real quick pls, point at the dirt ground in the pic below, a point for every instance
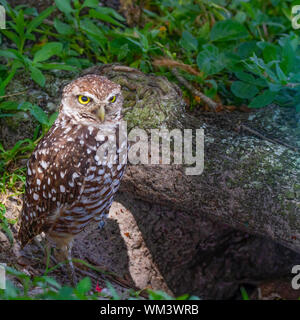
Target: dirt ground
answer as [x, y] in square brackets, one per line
[120, 249]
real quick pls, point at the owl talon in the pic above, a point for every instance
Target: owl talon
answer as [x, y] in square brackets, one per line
[101, 224]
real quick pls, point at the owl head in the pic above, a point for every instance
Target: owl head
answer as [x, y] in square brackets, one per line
[93, 98]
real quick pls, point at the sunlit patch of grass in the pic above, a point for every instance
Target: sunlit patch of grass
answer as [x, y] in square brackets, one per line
[13, 182]
[12, 176]
[5, 223]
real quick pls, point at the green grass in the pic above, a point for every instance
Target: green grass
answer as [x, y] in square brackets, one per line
[4, 223]
[50, 289]
[245, 53]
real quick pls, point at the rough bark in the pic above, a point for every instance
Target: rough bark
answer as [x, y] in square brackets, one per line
[248, 182]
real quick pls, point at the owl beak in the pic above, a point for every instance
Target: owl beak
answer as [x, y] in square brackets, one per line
[101, 113]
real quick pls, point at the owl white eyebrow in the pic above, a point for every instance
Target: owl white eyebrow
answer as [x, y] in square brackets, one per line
[87, 94]
[112, 95]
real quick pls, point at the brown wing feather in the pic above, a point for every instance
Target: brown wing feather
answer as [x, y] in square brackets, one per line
[55, 177]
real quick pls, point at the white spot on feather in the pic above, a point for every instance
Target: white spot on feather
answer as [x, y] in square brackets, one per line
[44, 164]
[35, 196]
[75, 175]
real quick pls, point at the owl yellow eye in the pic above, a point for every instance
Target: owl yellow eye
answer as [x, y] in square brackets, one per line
[112, 99]
[84, 99]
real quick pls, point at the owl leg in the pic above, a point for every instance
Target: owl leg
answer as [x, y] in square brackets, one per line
[70, 266]
[101, 220]
[64, 253]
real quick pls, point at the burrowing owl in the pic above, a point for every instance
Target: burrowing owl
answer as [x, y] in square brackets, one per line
[69, 183]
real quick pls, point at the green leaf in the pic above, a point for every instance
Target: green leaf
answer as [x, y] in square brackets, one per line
[112, 291]
[37, 76]
[183, 297]
[244, 293]
[271, 52]
[240, 17]
[288, 58]
[123, 52]
[65, 293]
[20, 23]
[48, 280]
[57, 66]
[247, 77]
[263, 99]
[281, 76]
[204, 31]
[63, 28]
[4, 225]
[244, 76]
[48, 50]
[39, 19]
[25, 106]
[104, 17]
[84, 286]
[246, 49]
[243, 90]
[12, 36]
[31, 12]
[64, 6]
[9, 105]
[228, 30]
[90, 28]
[8, 54]
[39, 114]
[111, 12]
[158, 295]
[5, 82]
[5, 115]
[210, 60]
[188, 41]
[16, 273]
[90, 4]
[52, 118]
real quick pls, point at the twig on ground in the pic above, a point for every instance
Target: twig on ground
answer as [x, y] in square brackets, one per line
[275, 141]
[213, 105]
[169, 63]
[13, 94]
